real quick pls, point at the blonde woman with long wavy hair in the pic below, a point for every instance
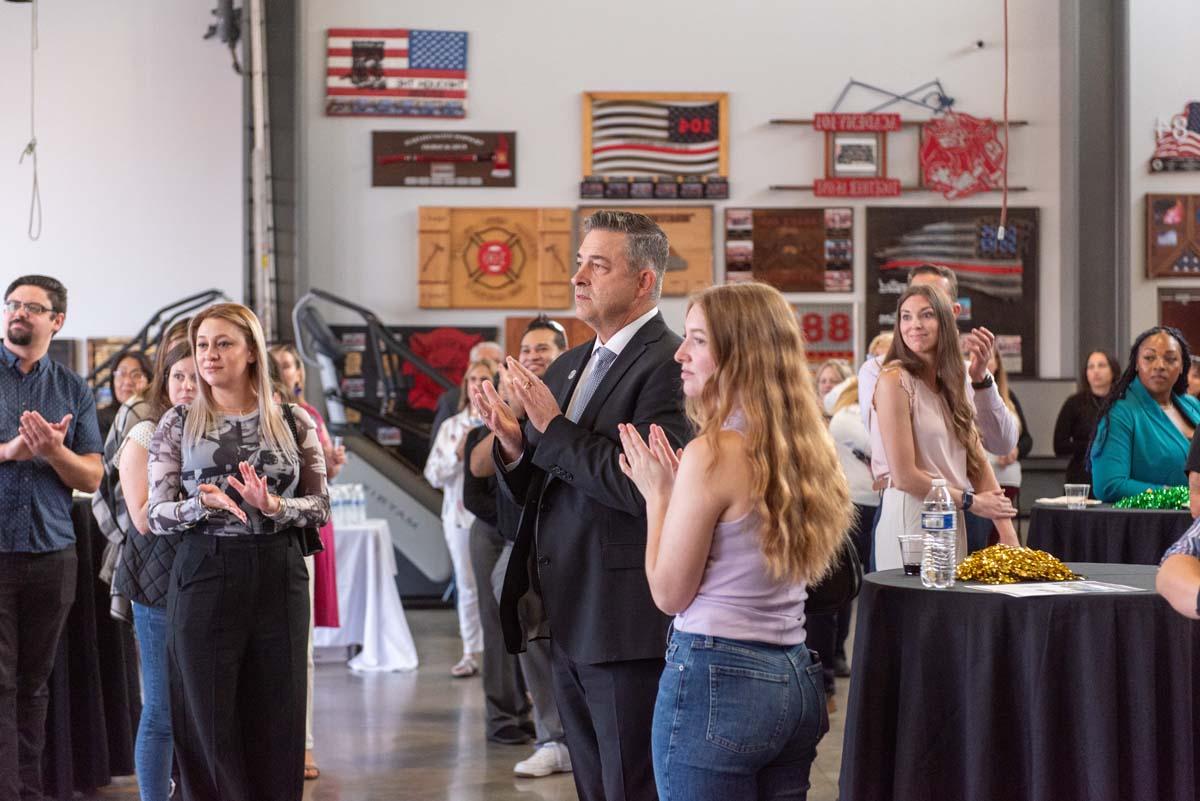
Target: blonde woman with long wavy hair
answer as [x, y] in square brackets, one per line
[923, 425]
[238, 475]
[739, 523]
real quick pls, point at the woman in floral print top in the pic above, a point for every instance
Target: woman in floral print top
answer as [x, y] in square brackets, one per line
[237, 475]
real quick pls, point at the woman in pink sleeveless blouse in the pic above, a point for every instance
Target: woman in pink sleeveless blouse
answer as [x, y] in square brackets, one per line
[738, 524]
[922, 423]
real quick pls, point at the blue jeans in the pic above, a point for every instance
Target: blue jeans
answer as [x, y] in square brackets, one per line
[153, 751]
[736, 719]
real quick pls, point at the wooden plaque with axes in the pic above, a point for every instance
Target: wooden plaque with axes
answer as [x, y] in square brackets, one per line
[494, 258]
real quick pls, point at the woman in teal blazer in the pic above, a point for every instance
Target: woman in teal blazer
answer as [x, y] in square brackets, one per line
[1145, 426]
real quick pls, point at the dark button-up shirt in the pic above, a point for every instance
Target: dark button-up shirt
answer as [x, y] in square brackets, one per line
[35, 506]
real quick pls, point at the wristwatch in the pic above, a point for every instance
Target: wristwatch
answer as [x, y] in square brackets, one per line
[986, 383]
[968, 499]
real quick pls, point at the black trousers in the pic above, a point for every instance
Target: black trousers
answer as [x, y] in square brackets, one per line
[863, 536]
[606, 712]
[237, 617]
[36, 593]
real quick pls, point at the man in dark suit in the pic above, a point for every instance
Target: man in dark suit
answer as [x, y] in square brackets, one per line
[581, 544]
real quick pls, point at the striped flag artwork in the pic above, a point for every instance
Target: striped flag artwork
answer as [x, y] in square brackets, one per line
[981, 261]
[1178, 144]
[396, 72]
[653, 137]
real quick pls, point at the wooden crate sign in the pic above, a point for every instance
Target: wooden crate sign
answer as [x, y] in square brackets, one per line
[494, 258]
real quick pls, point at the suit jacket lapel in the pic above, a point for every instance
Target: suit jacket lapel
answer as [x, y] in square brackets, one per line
[563, 396]
[647, 334]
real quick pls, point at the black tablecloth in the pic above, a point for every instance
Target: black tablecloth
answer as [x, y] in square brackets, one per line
[95, 700]
[1105, 534]
[966, 695]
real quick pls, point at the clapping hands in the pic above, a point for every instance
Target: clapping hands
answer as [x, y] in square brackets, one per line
[253, 489]
[651, 466]
[42, 438]
[978, 344]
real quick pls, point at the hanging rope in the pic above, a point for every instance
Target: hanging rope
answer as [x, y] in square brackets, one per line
[1004, 175]
[35, 201]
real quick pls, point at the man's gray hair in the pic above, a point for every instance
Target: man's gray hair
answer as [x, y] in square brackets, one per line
[480, 347]
[646, 246]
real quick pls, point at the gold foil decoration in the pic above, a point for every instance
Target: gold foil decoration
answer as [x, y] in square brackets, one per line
[1009, 564]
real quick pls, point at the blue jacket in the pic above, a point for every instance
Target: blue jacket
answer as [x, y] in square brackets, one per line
[1137, 447]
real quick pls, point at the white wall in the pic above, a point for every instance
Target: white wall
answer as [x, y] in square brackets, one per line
[1163, 64]
[529, 62]
[139, 142]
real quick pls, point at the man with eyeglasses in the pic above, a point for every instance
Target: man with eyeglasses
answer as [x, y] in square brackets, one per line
[49, 445]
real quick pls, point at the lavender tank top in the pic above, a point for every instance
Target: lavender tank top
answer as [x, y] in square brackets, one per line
[737, 597]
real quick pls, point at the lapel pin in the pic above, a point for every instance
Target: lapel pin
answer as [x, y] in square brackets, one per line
[572, 375]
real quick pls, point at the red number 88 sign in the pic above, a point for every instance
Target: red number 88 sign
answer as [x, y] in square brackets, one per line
[828, 330]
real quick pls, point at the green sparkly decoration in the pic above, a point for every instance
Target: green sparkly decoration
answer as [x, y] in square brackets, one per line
[1165, 498]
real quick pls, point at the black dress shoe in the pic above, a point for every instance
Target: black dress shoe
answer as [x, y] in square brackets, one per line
[510, 735]
[840, 668]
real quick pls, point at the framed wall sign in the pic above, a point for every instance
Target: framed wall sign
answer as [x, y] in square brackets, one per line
[443, 158]
[792, 249]
[856, 155]
[1172, 236]
[655, 145]
[690, 231]
[494, 258]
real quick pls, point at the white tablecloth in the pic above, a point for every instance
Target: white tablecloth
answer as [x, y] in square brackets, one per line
[368, 603]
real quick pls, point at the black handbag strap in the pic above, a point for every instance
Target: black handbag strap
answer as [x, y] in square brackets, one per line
[310, 536]
[291, 421]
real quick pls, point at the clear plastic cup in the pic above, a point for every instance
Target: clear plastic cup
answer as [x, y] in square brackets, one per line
[912, 546]
[1077, 495]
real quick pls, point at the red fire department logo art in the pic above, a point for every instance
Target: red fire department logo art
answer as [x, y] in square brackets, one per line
[494, 257]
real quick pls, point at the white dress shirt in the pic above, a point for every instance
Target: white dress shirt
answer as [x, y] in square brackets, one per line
[616, 343]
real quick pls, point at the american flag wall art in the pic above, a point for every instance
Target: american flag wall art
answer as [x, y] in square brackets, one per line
[655, 134]
[396, 72]
[1177, 145]
[997, 276]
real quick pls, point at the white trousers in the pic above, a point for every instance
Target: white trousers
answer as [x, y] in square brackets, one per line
[902, 512]
[458, 540]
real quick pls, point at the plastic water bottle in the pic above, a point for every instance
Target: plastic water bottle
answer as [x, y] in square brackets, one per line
[360, 504]
[939, 523]
[335, 502]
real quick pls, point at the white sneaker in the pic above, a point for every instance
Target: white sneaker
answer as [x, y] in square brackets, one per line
[548, 758]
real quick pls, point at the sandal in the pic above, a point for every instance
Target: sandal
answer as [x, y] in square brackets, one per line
[466, 668]
[311, 771]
